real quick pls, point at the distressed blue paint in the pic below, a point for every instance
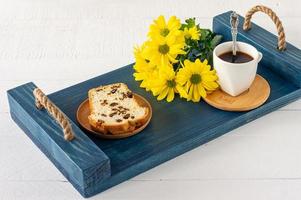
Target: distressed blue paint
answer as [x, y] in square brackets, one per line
[78, 160]
[286, 63]
[175, 128]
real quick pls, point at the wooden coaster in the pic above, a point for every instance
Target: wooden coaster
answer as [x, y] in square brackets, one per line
[83, 112]
[254, 97]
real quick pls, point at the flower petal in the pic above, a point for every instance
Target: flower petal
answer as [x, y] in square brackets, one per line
[202, 91]
[196, 94]
[189, 97]
[171, 95]
[156, 90]
[188, 86]
[210, 85]
[163, 94]
[181, 91]
[161, 21]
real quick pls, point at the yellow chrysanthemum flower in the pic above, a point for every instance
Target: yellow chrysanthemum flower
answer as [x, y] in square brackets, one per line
[197, 78]
[162, 52]
[166, 85]
[144, 70]
[192, 33]
[160, 29]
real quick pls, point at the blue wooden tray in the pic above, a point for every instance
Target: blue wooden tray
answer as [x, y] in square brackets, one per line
[93, 165]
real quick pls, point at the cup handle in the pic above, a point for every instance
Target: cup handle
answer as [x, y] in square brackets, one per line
[259, 56]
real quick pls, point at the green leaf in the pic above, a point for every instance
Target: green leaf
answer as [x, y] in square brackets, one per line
[215, 41]
[183, 26]
[204, 34]
[190, 22]
[202, 48]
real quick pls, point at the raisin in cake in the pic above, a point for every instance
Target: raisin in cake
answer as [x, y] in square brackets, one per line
[114, 109]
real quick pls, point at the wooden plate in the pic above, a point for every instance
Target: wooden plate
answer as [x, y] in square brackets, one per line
[83, 112]
[254, 97]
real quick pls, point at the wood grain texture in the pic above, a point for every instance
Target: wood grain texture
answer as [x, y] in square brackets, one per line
[127, 160]
[156, 143]
[81, 162]
[59, 43]
[285, 63]
[254, 97]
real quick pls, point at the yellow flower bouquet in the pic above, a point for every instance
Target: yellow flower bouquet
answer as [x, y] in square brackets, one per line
[176, 59]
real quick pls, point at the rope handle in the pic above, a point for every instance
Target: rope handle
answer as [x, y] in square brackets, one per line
[273, 16]
[42, 101]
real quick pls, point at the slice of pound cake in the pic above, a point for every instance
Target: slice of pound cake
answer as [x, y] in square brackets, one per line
[114, 109]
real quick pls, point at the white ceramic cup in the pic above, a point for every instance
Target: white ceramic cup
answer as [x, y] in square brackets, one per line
[235, 78]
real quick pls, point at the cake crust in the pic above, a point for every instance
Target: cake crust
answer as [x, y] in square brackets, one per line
[113, 108]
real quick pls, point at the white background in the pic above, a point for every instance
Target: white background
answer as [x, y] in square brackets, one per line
[57, 43]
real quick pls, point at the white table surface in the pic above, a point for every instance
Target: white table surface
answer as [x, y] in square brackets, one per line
[57, 43]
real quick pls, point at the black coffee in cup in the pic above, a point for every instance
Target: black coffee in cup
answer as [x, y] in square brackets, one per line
[240, 57]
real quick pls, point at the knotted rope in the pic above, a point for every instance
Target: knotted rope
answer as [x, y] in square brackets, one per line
[273, 16]
[42, 101]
